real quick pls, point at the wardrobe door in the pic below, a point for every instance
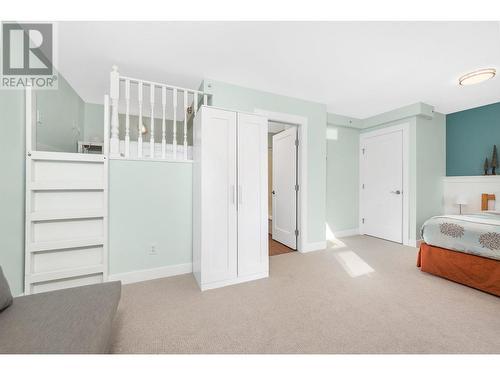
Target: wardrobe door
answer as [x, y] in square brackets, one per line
[253, 255]
[218, 206]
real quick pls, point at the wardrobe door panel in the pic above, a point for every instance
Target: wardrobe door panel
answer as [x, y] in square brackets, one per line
[253, 255]
[219, 215]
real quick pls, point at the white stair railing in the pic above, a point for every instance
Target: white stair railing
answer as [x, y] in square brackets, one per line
[176, 103]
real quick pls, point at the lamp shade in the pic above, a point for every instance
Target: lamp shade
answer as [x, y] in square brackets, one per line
[461, 200]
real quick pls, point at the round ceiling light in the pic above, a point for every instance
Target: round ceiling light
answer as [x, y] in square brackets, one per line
[477, 76]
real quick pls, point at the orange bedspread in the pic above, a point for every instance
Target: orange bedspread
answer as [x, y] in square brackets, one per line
[472, 270]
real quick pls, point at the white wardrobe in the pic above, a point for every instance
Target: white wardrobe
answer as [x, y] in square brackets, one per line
[230, 239]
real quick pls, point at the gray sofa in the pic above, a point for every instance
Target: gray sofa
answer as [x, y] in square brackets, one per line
[75, 320]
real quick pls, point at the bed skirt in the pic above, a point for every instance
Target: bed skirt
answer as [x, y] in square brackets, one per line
[471, 270]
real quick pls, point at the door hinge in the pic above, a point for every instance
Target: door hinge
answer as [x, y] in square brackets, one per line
[297, 142]
[363, 220]
[296, 232]
[296, 187]
[362, 186]
[363, 150]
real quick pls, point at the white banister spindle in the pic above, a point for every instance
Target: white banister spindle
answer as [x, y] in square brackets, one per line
[163, 127]
[195, 104]
[185, 124]
[205, 99]
[127, 118]
[115, 127]
[106, 126]
[152, 125]
[139, 123]
[174, 141]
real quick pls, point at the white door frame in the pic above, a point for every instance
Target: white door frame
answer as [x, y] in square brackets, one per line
[289, 239]
[405, 128]
[301, 122]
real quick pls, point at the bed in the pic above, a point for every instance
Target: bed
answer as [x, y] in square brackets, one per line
[464, 248]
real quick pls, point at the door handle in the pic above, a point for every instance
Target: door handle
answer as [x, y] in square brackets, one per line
[397, 192]
[274, 193]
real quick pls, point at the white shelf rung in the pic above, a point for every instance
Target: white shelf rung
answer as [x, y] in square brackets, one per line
[77, 185]
[65, 215]
[68, 244]
[66, 157]
[65, 274]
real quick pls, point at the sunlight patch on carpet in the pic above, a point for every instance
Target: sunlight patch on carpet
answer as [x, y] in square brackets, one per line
[353, 264]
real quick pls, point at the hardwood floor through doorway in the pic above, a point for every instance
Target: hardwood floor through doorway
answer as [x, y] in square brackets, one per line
[277, 248]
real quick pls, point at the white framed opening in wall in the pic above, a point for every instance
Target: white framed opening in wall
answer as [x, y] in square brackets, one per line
[303, 244]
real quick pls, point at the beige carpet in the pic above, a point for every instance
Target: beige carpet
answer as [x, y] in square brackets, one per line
[366, 297]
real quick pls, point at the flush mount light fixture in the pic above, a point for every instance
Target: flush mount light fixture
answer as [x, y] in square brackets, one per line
[477, 76]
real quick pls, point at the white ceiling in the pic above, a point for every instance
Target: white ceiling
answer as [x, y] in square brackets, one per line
[357, 69]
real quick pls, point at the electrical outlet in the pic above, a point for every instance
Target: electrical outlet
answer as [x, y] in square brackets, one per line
[152, 250]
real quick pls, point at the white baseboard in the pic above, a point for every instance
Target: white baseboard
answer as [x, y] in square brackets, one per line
[151, 273]
[244, 279]
[313, 246]
[346, 233]
[413, 242]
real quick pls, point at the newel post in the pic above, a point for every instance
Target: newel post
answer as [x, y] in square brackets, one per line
[114, 144]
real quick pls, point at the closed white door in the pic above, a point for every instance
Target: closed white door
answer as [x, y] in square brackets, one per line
[284, 192]
[382, 185]
[218, 189]
[252, 197]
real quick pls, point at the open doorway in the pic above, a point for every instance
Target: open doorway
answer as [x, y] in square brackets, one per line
[283, 187]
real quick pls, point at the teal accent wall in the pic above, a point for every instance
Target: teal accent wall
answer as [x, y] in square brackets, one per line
[12, 144]
[149, 202]
[470, 136]
[234, 97]
[342, 179]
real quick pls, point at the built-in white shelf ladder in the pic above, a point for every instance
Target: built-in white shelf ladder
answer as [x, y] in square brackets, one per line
[66, 229]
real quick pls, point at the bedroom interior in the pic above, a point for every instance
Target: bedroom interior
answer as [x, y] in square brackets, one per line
[230, 212]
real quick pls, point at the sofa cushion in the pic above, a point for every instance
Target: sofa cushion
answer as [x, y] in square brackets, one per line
[5, 295]
[74, 320]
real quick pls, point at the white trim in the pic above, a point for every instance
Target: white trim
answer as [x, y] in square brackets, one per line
[151, 273]
[301, 122]
[346, 233]
[472, 179]
[314, 246]
[67, 156]
[238, 280]
[405, 128]
[147, 158]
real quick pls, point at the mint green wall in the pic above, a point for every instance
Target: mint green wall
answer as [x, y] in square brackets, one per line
[431, 167]
[149, 202]
[245, 99]
[12, 143]
[62, 118]
[470, 136]
[342, 178]
[93, 130]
